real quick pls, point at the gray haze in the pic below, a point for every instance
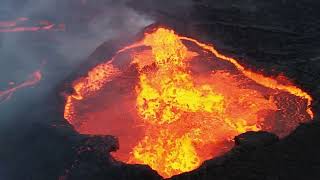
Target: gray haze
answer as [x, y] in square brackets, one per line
[57, 54]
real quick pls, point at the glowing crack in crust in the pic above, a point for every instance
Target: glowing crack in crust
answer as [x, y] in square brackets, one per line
[185, 116]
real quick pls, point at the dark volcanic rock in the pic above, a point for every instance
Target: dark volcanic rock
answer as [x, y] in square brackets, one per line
[295, 157]
[95, 162]
[253, 139]
[101, 144]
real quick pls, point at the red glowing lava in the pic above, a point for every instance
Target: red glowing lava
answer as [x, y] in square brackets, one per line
[175, 102]
[25, 25]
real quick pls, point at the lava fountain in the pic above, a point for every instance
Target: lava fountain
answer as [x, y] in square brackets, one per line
[175, 102]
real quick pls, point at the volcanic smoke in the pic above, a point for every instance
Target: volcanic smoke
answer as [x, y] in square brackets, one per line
[175, 102]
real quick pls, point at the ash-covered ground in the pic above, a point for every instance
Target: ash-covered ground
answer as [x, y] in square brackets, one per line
[267, 36]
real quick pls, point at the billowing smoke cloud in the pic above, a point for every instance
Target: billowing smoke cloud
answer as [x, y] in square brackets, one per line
[88, 23]
[57, 54]
[115, 21]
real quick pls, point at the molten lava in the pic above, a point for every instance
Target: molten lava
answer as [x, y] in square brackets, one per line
[174, 102]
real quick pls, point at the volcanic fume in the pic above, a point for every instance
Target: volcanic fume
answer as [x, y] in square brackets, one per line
[175, 102]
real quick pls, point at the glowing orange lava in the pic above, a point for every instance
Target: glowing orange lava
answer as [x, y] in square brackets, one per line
[174, 102]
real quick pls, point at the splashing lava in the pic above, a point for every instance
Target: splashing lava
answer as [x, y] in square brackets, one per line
[175, 102]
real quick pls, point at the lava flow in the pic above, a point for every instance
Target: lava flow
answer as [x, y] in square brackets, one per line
[23, 24]
[34, 78]
[174, 102]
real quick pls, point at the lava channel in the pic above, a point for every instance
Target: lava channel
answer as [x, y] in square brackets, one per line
[175, 102]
